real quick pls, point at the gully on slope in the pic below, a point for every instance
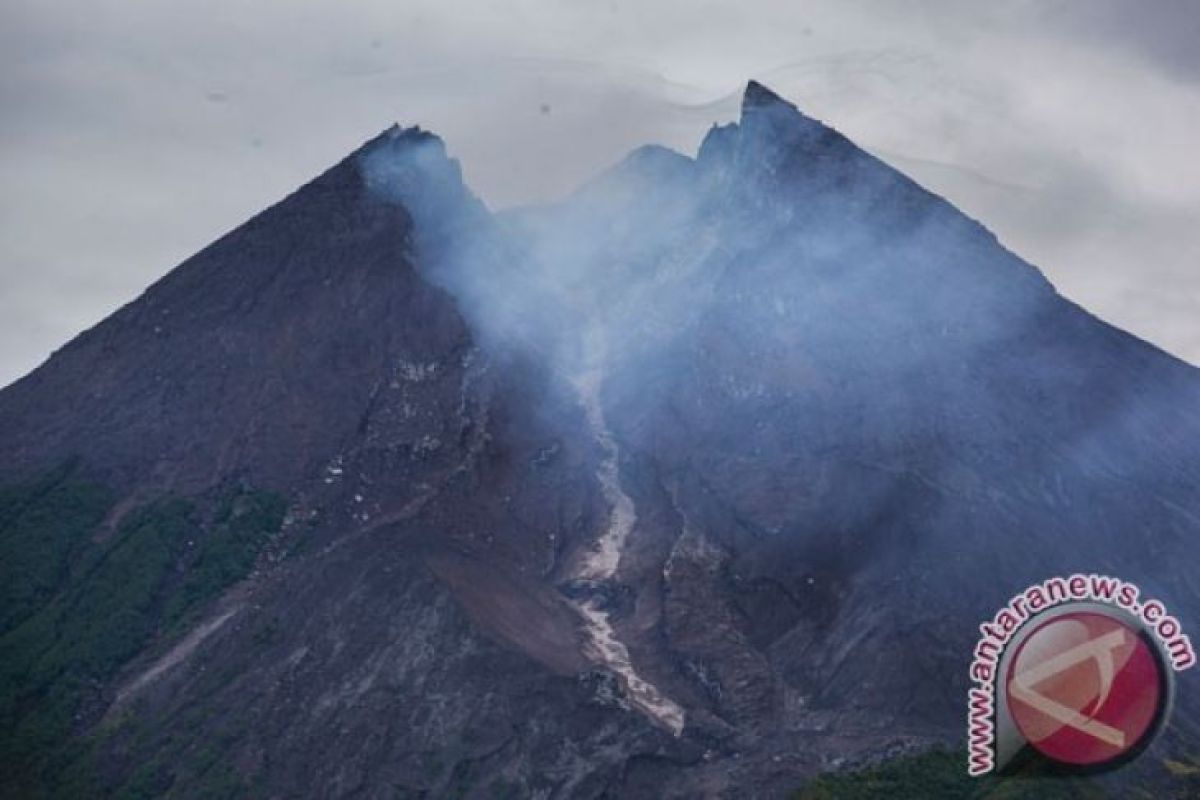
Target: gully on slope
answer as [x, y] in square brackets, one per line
[599, 565]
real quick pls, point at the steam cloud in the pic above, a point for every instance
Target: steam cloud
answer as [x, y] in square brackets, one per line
[787, 322]
[781, 242]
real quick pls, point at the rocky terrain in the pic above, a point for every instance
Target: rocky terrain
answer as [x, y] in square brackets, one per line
[697, 483]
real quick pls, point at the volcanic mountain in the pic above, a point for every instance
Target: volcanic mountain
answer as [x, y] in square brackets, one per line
[696, 483]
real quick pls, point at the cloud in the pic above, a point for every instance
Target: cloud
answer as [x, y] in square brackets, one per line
[132, 133]
[1164, 33]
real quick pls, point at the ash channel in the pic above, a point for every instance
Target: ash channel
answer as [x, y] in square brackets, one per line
[600, 563]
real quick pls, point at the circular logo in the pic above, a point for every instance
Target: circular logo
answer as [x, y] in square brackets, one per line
[1087, 689]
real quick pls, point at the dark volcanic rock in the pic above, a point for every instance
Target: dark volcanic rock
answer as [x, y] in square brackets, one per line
[836, 425]
[261, 356]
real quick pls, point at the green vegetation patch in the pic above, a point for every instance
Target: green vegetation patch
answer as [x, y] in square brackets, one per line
[941, 774]
[77, 605]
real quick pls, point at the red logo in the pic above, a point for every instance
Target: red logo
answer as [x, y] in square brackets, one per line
[1086, 689]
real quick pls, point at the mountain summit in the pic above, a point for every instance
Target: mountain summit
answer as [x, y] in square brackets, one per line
[696, 483]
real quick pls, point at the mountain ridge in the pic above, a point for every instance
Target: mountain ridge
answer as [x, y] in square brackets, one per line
[775, 422]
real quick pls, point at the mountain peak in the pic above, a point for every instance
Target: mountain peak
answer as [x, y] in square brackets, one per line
[768, 124]
[756, 95]
[760, 102]
[411, 166]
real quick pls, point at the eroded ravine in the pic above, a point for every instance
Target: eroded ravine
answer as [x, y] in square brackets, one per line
[599, 565]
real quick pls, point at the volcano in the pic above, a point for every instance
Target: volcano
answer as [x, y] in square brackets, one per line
[697, 483]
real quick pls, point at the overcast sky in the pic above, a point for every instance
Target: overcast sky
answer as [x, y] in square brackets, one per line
[134, 133]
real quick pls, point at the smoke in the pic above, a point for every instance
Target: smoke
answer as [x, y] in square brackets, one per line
[810, 344]
[782, 258]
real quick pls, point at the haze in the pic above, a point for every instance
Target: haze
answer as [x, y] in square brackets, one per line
[133, 133]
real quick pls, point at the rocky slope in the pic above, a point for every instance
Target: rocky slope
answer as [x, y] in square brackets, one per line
[697, 483]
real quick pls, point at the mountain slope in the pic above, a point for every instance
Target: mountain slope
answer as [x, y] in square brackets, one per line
[697, 483]
[247, 358]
